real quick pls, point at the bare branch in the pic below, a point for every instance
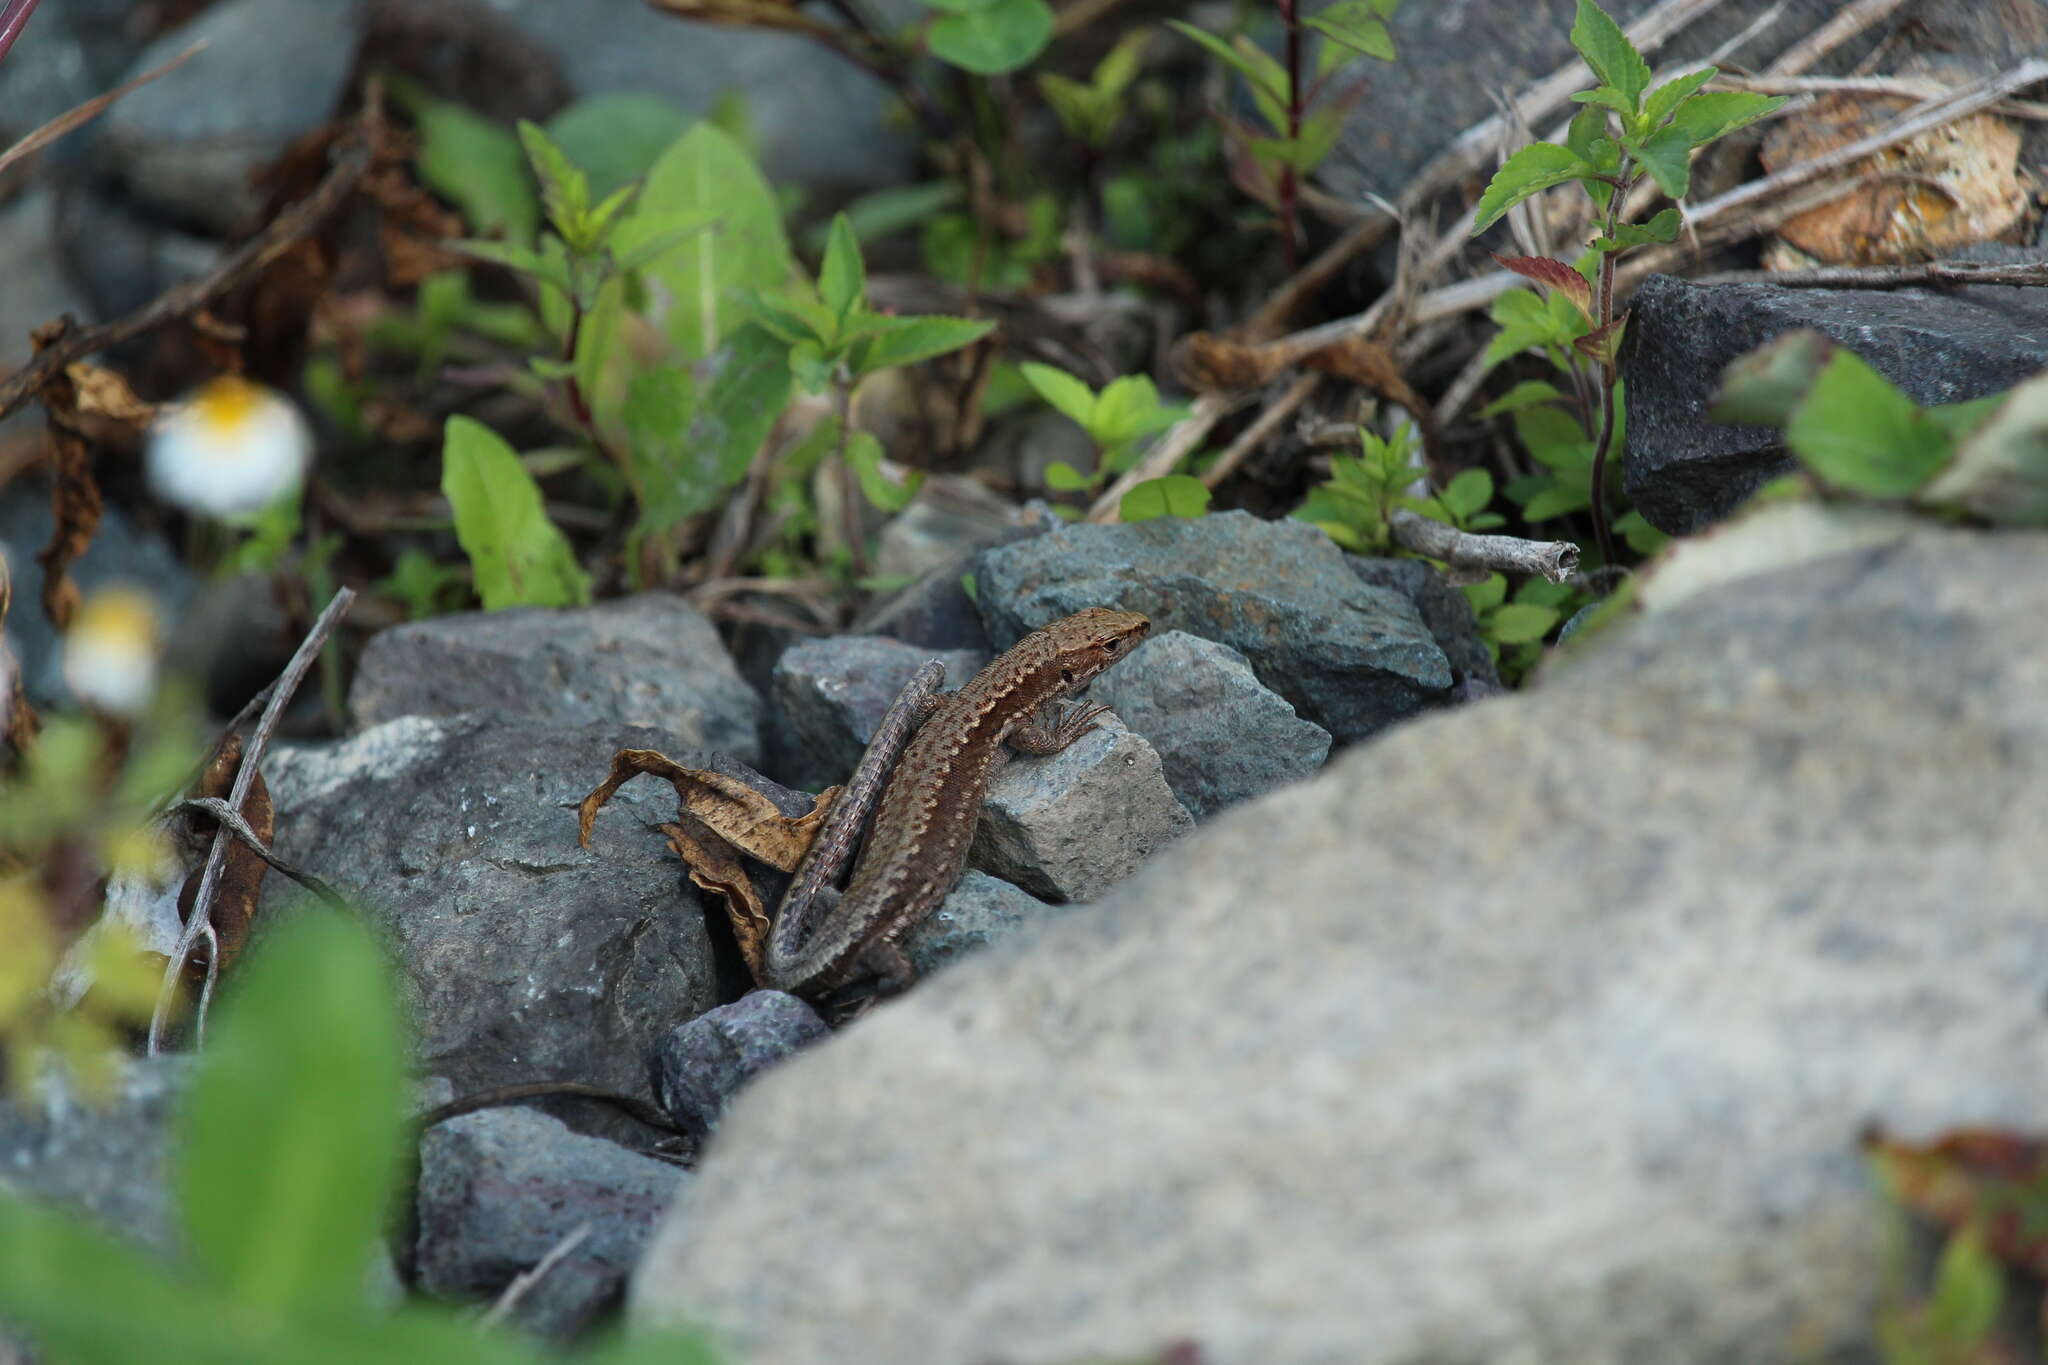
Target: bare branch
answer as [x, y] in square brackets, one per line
[527, 1279]
[1891, 276]
[231, 819]
[1551, 559]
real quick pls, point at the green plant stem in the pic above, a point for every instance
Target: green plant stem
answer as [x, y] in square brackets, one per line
[1603, 537]
[1290, 187]
[579, 403]
[849, 486]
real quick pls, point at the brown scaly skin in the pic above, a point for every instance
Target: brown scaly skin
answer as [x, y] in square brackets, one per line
[920, 837]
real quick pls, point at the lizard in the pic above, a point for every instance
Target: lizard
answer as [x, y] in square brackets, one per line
[931, 803]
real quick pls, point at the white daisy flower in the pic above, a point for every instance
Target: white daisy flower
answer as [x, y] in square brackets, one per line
[110, 652]
[234, 447]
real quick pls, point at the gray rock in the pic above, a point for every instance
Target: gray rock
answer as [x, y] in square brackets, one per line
[979, 911]
[704, 1062]
[1070, 825]
[272, 69]
[829, 695]
[1352, 657]
[498, 1189]
[787, 80]
[1221, 737]
[108, 1160]
[1444, 609]
[1434, 1059]
[525, 957]
[66, 55]
[933, 612]
[121, 552]
[33, 290]
[650, 660]
[948, 520]
[1684, 471]
[120, 259]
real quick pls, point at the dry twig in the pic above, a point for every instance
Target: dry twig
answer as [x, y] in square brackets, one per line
[1890, 276]
[1552, 559]
[527, 1279]
[202, 903]
[91, 109]
[219, 810]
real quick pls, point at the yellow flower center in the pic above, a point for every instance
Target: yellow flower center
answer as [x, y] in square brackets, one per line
[227, 402]
[120, 616]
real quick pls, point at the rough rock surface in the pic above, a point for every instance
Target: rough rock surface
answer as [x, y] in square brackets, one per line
[1683, 470]
[1222, 738]
[1350, 656]
[651, 660]
[1446, 611]
[498, 1189]
[703, 1063]
[979, 910]
[1436, 1058]
[526, 958]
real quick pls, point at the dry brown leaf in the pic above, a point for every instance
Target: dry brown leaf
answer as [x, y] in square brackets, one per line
[102, 393]
[18, 723]
[714, 866]
[240, 887]
[75, 502]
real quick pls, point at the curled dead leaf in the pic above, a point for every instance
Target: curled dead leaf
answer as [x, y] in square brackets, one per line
[240, 888]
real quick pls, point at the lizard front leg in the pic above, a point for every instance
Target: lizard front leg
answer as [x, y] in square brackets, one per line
[1041, 735]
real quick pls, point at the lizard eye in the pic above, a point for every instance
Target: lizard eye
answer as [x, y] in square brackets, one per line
[1067, 675]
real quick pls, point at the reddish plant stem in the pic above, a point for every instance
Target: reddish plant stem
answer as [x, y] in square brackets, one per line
[1290, 187]
[579, 402]
[13, 18]
[1603, 537]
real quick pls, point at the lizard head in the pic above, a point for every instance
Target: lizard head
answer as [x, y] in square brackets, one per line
[1089, 641]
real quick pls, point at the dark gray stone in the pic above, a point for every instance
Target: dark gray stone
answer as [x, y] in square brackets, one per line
[829, 695]
[1222, 737]
[67, 54]
[107, 1159]
[1350, 656]
[702, 1063]
[525, 957]
[272, 69]
[979, 911]
[1070, 825]
[649, 660]
[948, 520]
[788, 82]
[933, 612]
[498, 1189]
[33, 289]
[1684, 471]
[119, 259]
[1446, 611]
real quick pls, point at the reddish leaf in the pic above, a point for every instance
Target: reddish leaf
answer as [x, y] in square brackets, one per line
[1602, 343]
[1553, 274]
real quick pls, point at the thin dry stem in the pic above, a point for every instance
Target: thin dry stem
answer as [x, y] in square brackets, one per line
[1555, 560]
[1267, 422]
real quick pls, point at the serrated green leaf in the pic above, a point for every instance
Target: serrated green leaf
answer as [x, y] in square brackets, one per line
[1667, 155]
[1859, 433]
[1709, 116]
[1556, 501]
[1588, 126]
[864, 453]
[1356, 24]
[794, 320]
[518, 555]
[707, 177]
[996, 38]
[1766, 386]
[1526, 394]
[1467, 494]
[1607, 97]
[1170, 495]
[564, 189]
[597, 223]
[810, 367]
[1068, 395]
[289, 1143]
[906, 341]
[842, 278]
[1610, 54]
[1520, 622]
[615, 138]
[663, 243]
[1667, 97]
[1535, 168]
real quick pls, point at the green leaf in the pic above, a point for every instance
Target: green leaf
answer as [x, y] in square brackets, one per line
[1520, 622]
[1766, 386]
[661, 244]
[1127, 409]
[1608, 51]
[1268, 83]
[864, 453]
[1486, 594]
[1526, 394]
[2000, 471]
[1356, 24]
[1555, 501]
[792, 319]
[1585, 132]
[742, 404]
[706, 176]
[1555, 439]
[1467, 495]
[1706, 117]
[519, 557]
[564, 190]
[1068, 395]
[1661, 228]
[883, 212]
[525, 260]
[1062, 477]
[420, 582]
[1667, 97]
[908, 340]
[478, 165]
[1857, 432]
[1171, 495]
[289, 1144]
[842, 279]
[616, 138]
[993, 39]
[1667, 154]
[1969, 1289]
[1537, 167]
[1607, 97]
[661, 407]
